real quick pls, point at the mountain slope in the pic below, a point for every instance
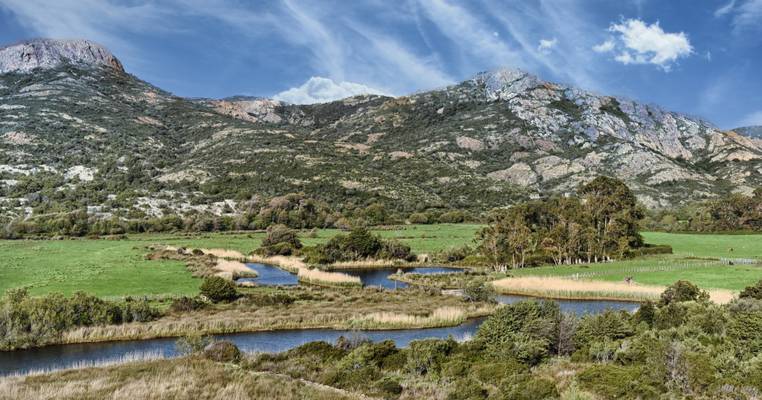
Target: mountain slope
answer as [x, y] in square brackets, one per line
[76, 131]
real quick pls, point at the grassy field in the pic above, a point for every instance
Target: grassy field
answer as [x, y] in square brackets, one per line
[117, 268]
[664, 270]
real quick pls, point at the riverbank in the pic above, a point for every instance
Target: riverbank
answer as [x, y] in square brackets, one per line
[181, 378]
[271, 309]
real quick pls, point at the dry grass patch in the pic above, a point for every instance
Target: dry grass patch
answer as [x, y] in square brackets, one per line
[224, 253]
[334, 309]
[564, 288]
[233, 269]
[442, 316]
[290, 264]
[177, 379]
[325, 278]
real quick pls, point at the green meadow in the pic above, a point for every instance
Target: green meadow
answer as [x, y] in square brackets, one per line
[118, 268]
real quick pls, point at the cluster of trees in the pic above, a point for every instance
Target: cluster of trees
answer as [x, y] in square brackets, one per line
[295, 211]
[359, 244]
[600, 223]
[280, 241]
[730, 213]
[679, 347]
[27, 321]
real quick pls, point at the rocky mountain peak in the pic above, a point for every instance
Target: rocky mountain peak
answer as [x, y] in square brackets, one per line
[504, 83]
[50, 53]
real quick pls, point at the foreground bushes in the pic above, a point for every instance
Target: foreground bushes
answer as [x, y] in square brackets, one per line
[32, 321]
[684, 347]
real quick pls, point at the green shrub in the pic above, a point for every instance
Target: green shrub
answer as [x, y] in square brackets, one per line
[222, 351]
[389, 386]
[280, 240]
[681, 291]
[419, 218]
[427, 356]
[467, 389]
[186, 304]
[609, 325]
[192, 343]
[619, 382]
[479, 292]
[218, 289]
[752, 292]
[527, 330]
[529, 389]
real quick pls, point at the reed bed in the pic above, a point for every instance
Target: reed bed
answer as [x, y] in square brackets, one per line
[233, 269]
[443, 316]
[134, 357]
[564, 288]
[369, 263]
[326, 278]
[290, 264]
[224, 253]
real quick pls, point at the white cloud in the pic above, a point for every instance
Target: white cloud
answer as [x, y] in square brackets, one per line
[546, 45]
[604, 47]
[641, 43]
[748, 16]
[322, 90]
[752, 119]
[726, 9]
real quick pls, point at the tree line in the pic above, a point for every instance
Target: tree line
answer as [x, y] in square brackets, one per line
[599, 223]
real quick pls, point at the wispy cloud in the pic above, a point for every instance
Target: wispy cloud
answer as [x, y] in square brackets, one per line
[546, 45]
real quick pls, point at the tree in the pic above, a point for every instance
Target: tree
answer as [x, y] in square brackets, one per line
[218, 289]
[613, 213]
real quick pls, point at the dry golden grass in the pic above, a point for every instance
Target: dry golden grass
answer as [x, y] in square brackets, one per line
[224, 253]
[564, 288]
[318, 277]
[370, 263]
[442, 316]
[326, 309]
[233, 269]
[290, 264]
[178, 379]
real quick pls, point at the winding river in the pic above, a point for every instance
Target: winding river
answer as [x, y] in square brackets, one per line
[73, 355]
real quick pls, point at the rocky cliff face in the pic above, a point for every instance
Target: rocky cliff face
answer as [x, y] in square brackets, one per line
[72, 134]
[51, 53]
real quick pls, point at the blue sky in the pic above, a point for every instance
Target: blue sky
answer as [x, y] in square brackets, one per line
[700, 57]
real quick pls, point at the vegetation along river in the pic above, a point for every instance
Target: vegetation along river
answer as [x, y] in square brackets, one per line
[71, 355]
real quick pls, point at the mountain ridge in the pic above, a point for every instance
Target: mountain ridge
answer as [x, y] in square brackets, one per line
[74, 134]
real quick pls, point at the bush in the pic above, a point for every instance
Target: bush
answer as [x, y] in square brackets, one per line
[222, 351]
[358, 245]
[192, 344]
[280, 240]
[218, 289]
[681, 291]
[186, 304]
[427, 356]
[389, 385]
[479, 292]
[452, 217]
[467, 389]
[527, 330]
[418, 218]
[530, 389]
[752, 292]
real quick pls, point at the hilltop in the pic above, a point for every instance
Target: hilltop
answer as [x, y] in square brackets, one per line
[78, 131]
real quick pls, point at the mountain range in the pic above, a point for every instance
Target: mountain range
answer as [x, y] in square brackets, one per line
[77, 130]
